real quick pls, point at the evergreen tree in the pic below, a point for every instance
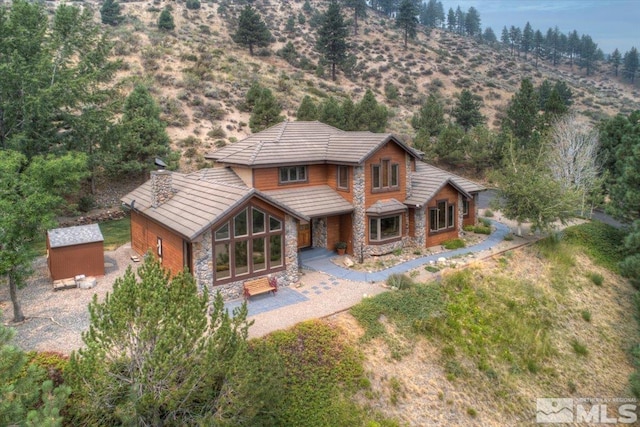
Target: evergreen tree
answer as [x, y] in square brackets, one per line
[406, 20]
[110, 12]
[308, 111]
[306, 7]
[522, 115]
[515, 37]
[538, 45]
[573, 46]
[564, 91]
[615, 60]
[432, 14]
[359, 11]
[348, 109]
[266, 112]
[467, 110]
[489, 37]
[472, 22]
[552, 41]
[505, 37]
[527, 39]
[143, 136]
[26, 396]
[544, 92]
[369, 115]
[460, 21]
[165, 21]
[332, 36]
[331, 113]
[252, 31]
[193, 4]
[588, 54]
[554, 107]
[451, 20]
[429, 121]
[157, 353]
[31, 195]
[290, 26]
[631, 62]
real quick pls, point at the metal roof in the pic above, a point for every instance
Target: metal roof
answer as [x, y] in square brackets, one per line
[76, 235]
[314, 201]
[304, 142]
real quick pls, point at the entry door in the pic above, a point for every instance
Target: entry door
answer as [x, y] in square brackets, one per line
[304, 234]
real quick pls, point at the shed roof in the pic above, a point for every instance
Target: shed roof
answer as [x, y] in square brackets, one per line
[429, 180]
[308, 142]
[76, 235]
[314, 201]
[386, 206]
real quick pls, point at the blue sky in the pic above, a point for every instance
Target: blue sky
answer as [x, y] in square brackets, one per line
[610, 23]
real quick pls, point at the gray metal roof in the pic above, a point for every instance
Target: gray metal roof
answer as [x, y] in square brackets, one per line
[304, 142]
[314, 201]
[77, 235]
[428, 180]
[386, 206]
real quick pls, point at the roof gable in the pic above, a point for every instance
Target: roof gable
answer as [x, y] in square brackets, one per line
[304, 142]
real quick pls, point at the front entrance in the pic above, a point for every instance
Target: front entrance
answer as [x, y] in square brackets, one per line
[304, 234]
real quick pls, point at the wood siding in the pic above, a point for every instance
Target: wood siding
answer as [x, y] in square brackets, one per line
[70, 261]
[268, 178]
[449, 194]
[144, 237]
[333, 231]
[346, 231]
[395, 154]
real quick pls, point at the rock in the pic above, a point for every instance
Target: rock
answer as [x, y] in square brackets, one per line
[347, 262]
[442, 260]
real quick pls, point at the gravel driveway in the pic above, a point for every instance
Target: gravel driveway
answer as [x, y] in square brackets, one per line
[56, 319]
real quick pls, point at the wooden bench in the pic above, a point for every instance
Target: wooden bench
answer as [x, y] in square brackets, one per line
[260, 286]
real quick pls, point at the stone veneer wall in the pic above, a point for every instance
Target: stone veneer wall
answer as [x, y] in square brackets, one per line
[202, 251]
[203, 263]
[420, 239]
[408, 173]
[476, 199]
[319, 229]
[460, 213]
[359, 214]
[161, 190]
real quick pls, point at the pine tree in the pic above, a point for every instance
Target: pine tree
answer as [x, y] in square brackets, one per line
[369, 115]
[430, 119]
[252, 31]
[406, 20]
[266, 112]
[588, 54]
[110, 12]
[615, 60]
[472, 22]
[489, 37]
[27, 397]
[538, 45]
[527, 39]
[554, 107]
[158, 353]
[573, 46]
[359, 11]
[308, 110]
[522, 115]
[451, 20]
[143, 136]
[165, 21]
[467, 110]
[330, 113]
[332, 36]
[631, 63]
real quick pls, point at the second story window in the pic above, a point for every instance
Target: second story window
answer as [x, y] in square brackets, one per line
[290, 174]
[343, 177]
[385, 176]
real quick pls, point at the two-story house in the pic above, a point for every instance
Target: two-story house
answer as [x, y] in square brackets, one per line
[292, 186]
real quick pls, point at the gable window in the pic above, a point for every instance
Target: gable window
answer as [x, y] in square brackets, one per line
[291, 174]
[385, 176]
[442, 217]
[385, 228]
[244, 247]
[343, 177]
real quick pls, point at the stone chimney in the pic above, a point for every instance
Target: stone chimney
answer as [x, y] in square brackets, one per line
[161, 190]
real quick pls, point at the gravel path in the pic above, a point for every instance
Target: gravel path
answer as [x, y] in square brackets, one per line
[56, 319]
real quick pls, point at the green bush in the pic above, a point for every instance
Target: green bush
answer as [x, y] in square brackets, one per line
[193, 4]
[596, 278]
[603, 243]
[86, 203]
[579, 348]
[488, 213]
[453, 244]
[400, 281]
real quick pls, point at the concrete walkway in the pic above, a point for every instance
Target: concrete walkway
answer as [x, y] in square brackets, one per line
[319, 259]
[326, 288]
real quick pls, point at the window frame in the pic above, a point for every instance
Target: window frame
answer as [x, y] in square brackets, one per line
[339, 184]
[387, 174]
[289, 169]
[231, 244]
[378, 228]
[450, 213]
[466, 204]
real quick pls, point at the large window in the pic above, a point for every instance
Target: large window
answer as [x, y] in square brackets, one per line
[385, 175]
[385, 228]
[293, 174]
[250, 242]
[442, 217]
[343, 177]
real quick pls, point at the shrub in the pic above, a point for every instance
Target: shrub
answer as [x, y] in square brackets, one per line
[579, 348]
[193, 4]
[586, 315]
[488, 213]
[165, 22]
[400, 281]
[86, 203]
[596, 278]
[453, 244]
